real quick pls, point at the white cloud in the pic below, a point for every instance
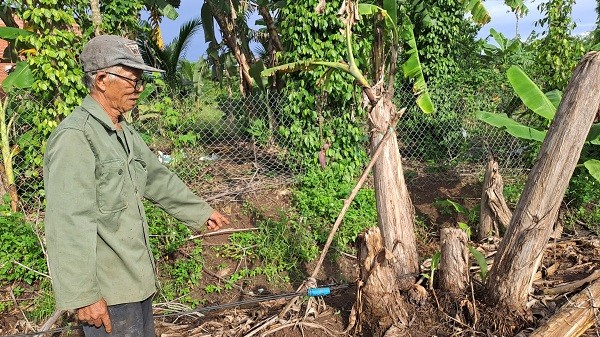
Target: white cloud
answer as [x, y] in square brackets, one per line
[504, 21]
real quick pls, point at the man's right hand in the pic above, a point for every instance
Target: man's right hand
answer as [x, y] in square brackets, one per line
[95, 314]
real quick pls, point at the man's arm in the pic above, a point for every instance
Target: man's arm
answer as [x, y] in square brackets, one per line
[70, 188]
[170, 193]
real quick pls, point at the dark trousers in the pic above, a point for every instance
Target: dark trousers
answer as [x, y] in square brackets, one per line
[128, 320]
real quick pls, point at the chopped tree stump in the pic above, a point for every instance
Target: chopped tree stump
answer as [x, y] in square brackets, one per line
[379, 304]
[494, 214]
[454, 262]
[575, 317]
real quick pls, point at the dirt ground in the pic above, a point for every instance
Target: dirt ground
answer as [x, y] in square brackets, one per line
[573, 256]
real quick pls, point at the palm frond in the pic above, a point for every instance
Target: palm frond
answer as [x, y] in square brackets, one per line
[179, 45]
[261, 52]
[151, 52]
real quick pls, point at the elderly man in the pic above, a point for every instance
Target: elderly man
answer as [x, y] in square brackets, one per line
[97, 171]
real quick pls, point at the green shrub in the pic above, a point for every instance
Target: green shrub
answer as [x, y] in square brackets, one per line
[19, 243]
[583, 201]
[280, 245]
[178, 272]
[320, 199]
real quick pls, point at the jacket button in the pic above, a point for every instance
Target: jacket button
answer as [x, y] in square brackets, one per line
[120, 171]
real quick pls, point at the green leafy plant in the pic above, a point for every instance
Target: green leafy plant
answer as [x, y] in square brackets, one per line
[448, 207]
[277, 249]
[320, 198]
[21, 255]
[544, 105]
[43, 305]
[483, 267]
[435, 264]
[179, 260]
[260, 131]
[582, 206]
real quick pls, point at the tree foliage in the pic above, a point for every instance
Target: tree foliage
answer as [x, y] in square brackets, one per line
[445, 36]
[328, 112]
[557, 51]
[59, 29]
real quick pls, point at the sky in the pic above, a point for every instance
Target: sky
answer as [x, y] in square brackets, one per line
[584, 15]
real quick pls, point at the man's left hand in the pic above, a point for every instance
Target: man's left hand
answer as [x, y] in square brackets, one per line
[216, 221]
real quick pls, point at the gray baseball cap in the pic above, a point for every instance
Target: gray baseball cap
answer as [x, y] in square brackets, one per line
[110, 50]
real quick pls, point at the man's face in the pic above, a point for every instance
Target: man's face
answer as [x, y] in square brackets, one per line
[120, 92]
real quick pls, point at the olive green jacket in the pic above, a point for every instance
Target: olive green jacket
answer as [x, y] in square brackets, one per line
[96, 228]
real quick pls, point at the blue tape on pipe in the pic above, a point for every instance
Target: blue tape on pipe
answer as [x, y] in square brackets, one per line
[318, 292]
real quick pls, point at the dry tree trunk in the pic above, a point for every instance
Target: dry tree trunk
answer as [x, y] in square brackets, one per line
[520, 252]
[453, 273]
[395, 211]
[494, 214]
[388, 256]
[575, 317]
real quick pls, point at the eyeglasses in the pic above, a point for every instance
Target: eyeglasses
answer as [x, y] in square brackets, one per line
[137, 84]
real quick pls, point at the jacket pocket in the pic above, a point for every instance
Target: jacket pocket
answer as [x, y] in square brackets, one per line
[141, 175]
[109, 186]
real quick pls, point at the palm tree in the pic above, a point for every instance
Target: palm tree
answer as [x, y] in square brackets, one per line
[170, 56]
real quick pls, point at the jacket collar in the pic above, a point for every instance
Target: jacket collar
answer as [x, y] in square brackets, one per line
[96, 110]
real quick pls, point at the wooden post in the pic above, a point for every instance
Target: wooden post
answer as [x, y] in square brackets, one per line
[454, 262]
[520, 252]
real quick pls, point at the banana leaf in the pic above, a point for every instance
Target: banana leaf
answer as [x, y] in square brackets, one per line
[255, 72]
[555, 96]
[412, 68]
[594, 134]
[478, 12]
[389, 18]
[20, 78]
[593, 167]
[511, 126]
[530, 93]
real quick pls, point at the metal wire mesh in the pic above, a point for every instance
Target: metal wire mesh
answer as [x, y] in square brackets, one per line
[227, 145]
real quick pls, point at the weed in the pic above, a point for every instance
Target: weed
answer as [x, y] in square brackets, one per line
[43, 304]
[512, 192]
[211, 288]
[582, 199]
[19, 243]
[321, 197]
[279, 245]
[449, 207]
[167, 237]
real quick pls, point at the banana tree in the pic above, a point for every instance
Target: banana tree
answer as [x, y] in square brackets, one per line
[544, 105]
[158, 9]
[230, 16]
[170, 56]
[20, 77]
[395, 209]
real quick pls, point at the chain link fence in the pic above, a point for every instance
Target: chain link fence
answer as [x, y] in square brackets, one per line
[226, 146]
[452, 142]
